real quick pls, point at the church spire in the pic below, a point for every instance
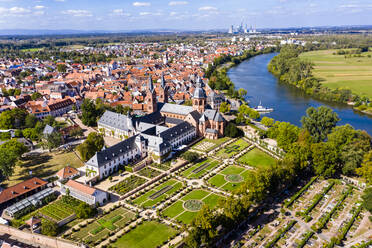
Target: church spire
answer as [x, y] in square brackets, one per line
[150, 85]
[162, 84]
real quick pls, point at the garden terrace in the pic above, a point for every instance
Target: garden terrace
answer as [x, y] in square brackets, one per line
[149, 234]
[233, 149]
[158, 193]
[148, 172]
[128, 184]
[58, 210]
[163, 166]
[207, 145]
[257, 158]
[200, 169]
[186, 208]
[99, 229]
[230, 178]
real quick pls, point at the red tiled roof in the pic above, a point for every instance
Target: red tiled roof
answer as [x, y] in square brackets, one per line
[20, 189]
[80, 187]
[67, 172]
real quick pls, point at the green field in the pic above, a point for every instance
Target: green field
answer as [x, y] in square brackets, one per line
[336, 71]
[178, 212]
[57, 210]
[146, 201]
[257, 158]
[147, 235]
[221, 179]
[200, 168]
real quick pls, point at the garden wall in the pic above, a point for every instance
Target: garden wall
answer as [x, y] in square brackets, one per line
[37, 239]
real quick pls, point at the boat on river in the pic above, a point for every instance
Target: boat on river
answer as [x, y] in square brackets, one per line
[262, 109]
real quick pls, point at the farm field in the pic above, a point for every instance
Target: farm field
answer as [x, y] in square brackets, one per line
[353, 73]
[186, 208]
[159, 193]
[200, 168]
[257, 158]
[230, 178]
[233, 149]
[147, 235]
[100, 228]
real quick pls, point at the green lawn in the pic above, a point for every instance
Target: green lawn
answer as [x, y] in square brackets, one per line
[191, 173]
[219, 181]
[177, 211]
[257, 158]
[42, 165]
[145, 200]
[336, 71]
[233, 149]
[147, 235]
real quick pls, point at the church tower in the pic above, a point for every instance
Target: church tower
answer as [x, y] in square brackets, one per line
[163, 90]
[199, 99]
[151, 105]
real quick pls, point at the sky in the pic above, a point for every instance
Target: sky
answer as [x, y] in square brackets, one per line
[121, 15]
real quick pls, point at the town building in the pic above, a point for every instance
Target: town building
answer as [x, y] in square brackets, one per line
[85, 193]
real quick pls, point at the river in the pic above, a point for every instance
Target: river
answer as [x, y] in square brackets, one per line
[289, 103]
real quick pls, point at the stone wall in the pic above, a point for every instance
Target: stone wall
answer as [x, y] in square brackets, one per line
[37, 239]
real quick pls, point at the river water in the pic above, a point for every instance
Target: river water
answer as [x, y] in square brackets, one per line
[289, 103]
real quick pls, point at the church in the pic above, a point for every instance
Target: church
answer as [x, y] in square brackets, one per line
[163, 130]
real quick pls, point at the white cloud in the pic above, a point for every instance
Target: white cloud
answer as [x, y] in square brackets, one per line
[39, 12]
[119, 12]
[18, 10]
[144, 13]
[77, 12]
[141, 4]
[60, 0]
[175, 3]
[39, 7]
[173, 13]
[208, 8]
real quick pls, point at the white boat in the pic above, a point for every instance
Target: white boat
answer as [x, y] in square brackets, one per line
[262, 109]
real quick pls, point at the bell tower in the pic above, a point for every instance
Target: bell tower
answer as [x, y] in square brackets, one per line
[151, 105]
[163, 90]
[199, 99]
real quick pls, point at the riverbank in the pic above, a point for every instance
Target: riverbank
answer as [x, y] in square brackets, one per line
[289, 68]
[289, 102]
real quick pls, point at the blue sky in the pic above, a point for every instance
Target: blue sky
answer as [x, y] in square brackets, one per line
[180, 14]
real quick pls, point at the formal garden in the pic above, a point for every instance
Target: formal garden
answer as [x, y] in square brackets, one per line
[162, 190]
[257, 158]
[207, 145]
[59, 210]
[148, 172]
[233, 149]
[186, 208]
[128, 184]
[230, 178]
[99, 229]
[149, 234]
[200, 169]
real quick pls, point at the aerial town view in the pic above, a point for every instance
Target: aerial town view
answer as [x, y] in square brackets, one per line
[149, 124]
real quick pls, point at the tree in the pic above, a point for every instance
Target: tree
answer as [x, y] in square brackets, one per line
[242, 92]
[76, 132]
[203, 229]
[232, 131]
[91, 145]
[190, 156]
[225, 107]
[89, 113]
[319, 122]
[268, 122]
[62, 68]
[285, 134]
[10, 152]
[365, 170]
[49, 228]
[325, 159]
[367, 200]
[84, 211]
[6, 120]
[53, 140]
[36, 95]
[49, 120]
[30, 121]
